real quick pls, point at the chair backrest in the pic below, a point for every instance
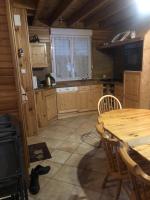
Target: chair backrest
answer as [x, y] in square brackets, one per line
[107, 103]
[111, 150]
[139, 178]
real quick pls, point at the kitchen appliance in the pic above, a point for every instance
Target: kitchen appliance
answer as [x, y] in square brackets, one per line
[35, 85]
[66, 89]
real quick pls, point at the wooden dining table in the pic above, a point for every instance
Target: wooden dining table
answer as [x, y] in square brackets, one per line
[131, 126]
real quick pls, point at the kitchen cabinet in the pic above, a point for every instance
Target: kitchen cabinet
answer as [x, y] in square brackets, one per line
[67, 100]
[88, 97]
[51, 104]
[83, 98]
[132, 81]
[39, 55]
[46, 106]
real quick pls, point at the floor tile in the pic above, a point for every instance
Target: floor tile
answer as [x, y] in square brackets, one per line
[75, 160]
[60, 156]
[68, 146]
[84, 149]
[69, 175]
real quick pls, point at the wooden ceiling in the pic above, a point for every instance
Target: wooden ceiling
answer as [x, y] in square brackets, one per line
[93, 14]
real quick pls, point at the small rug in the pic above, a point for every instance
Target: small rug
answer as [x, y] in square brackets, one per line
[92, 138]
[39, 152]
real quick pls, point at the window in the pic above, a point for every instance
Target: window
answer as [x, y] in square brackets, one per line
[71, 54]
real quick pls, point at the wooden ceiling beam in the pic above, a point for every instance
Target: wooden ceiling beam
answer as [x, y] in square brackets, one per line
[58, 11]
[121, 16]
[38, 10]
[109, 11]
[86, 10]
[29, 5]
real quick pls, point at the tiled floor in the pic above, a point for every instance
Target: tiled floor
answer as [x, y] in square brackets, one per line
[78, 165]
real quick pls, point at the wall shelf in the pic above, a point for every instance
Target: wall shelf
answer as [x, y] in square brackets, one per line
[118, 44]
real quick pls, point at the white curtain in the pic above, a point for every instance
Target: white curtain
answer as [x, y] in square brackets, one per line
[81, 57]
[71, 57]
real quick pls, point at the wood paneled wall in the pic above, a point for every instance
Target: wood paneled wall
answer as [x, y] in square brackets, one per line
[24, 62]
[10, 84]
[145, 77]
[8, 88]
[102, 62]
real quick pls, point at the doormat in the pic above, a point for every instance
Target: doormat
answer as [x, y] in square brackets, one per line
[38, 152]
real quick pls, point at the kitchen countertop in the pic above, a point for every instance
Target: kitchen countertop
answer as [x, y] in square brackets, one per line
[78, 83]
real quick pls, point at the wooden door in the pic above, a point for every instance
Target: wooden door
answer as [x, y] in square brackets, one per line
[39, 55]
[83, 98]
[51, 104]
[67, 102]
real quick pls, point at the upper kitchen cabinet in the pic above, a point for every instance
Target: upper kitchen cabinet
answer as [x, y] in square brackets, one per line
[39, 55]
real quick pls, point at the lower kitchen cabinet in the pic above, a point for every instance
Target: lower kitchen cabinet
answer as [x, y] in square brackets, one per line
[88, 97]
[67, 102]
[83, 97]
[46, 106]
[50, 103]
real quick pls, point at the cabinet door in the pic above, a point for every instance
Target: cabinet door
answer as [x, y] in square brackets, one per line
[51, 106]
[67, 102]
[83, 98]
[132, 82]
[129, 103]
[95, 94]
[132, 85]
[39, 55]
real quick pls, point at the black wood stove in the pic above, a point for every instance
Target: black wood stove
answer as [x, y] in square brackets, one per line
[12, 177]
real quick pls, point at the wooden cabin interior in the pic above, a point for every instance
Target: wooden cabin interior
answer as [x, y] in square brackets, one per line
[58, 59]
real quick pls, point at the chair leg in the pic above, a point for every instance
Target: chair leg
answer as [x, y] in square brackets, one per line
[118, 190]
[105, 180]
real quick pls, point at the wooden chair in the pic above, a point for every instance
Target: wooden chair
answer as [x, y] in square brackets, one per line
[107, 103]
[117, 171]
[139, 178]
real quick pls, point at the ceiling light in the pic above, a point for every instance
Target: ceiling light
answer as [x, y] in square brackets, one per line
[143, 6]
